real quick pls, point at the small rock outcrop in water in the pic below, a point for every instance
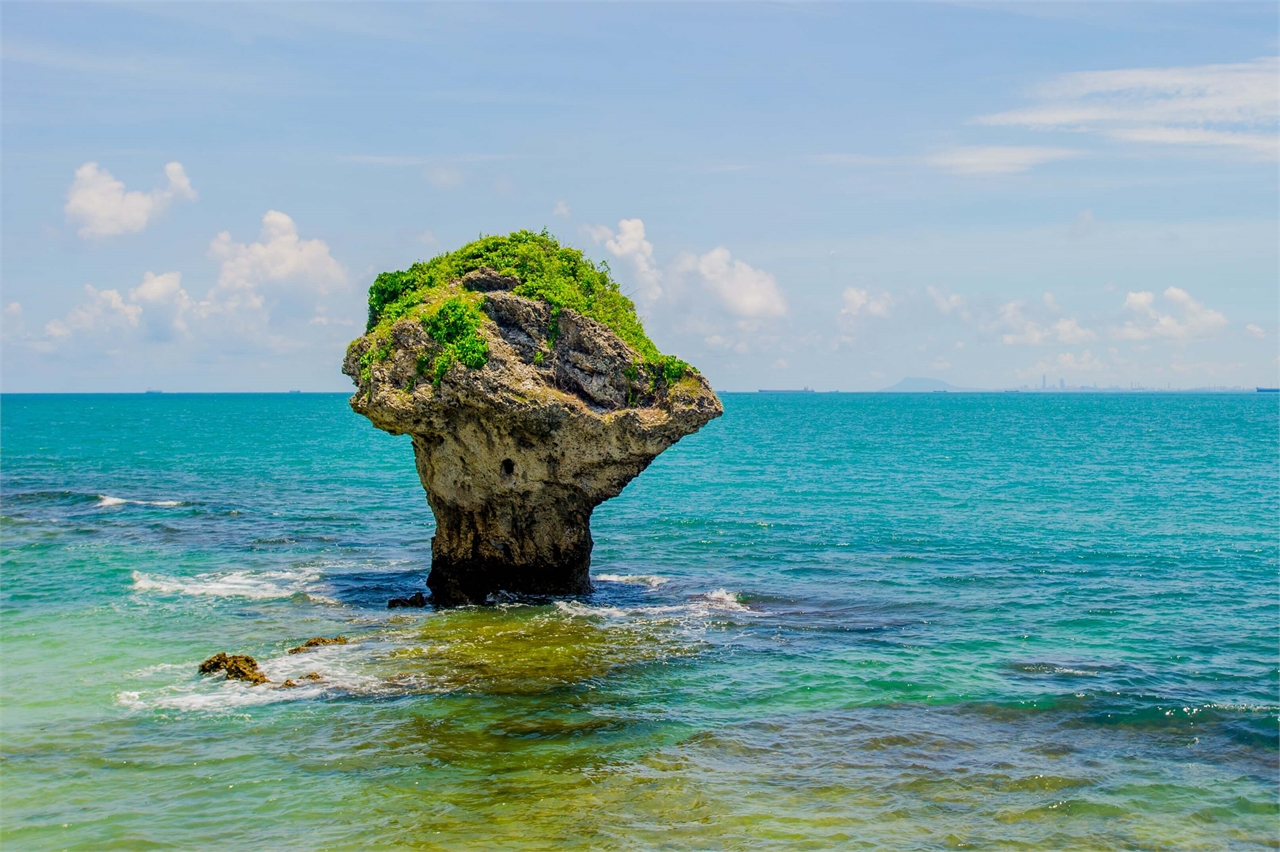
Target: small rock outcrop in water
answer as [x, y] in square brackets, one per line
[416, 600]
[318, 642]
[532, 395]
[237, 667]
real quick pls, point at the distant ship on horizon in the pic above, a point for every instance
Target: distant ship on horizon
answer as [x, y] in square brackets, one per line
[786, 390]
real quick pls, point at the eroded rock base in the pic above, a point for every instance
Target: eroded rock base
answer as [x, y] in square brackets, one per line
[480, 581]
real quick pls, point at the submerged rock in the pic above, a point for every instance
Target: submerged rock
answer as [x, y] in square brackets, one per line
[318, 642]
[237, 667]
[558, 416]
[416, 600]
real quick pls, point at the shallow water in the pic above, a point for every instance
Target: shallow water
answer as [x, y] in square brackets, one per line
[827, 621]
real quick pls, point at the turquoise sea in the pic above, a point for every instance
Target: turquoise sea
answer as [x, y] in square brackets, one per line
[827, 621]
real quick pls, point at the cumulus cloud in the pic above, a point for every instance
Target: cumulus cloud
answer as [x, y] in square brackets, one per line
[1069, 331]
[101, 310]
[997, 159]
[104, 208]
[1255, 331]
[279, 264]
[945, 302]
[629, 243]
[1197, 321]
[1230, 107]
[1067, 364]
[166, 306]
[744, 290]
[1021, 330]
[561, 209]
[279, 257]
[1084, 362]
[858, 302]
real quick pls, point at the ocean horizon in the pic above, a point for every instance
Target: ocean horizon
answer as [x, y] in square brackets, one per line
[840, 620]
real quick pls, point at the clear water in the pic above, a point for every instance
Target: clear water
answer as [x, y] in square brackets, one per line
[827, 621]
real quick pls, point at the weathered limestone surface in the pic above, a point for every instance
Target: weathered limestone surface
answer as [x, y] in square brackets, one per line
[516, 455]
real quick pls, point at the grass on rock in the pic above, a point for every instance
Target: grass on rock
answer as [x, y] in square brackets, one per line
[558, 275]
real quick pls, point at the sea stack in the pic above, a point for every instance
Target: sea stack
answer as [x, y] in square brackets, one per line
[532, 395]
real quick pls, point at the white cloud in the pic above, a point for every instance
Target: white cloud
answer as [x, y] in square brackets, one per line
[945, 302]
[858, 301]
[1084, 362]
[940, 363]
[744, 290]
[1230, 107]
[1069, 331]
[561, 210]
[280, 264]
[1051, 302]
[101, 311]
[1255, 331]
[1197, 321]
[14, 309]
[279, 256]
[165, 304]
[1025, 331]
[104, 208]
[997, 159]
[629, 243]
[1021, 329]
[1065, 364]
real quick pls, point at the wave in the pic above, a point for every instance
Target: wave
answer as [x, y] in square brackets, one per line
[235, 584]
[218, 695]
[724, 599]
[650, 580]
[106, 501]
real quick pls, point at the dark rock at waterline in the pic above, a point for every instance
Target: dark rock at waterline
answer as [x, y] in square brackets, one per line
[237, 667]
[415, 601]
[318, 642]
[311, 676]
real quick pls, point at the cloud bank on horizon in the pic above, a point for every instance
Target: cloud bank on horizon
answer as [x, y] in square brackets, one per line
[1102, 222]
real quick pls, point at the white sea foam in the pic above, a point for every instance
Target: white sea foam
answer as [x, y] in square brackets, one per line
[219, 695]
[233, 584]
[106, 501]
[724, 599]
[581, 610]
[649, 580]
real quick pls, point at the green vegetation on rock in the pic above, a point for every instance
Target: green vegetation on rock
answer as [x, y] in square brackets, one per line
[558, 275]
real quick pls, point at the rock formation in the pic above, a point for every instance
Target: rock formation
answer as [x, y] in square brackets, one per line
[517, 453]
[237, 667]
[318, 642]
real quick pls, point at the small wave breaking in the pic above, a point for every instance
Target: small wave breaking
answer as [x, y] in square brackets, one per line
[648, 580]
[106, 501]
[234, 584]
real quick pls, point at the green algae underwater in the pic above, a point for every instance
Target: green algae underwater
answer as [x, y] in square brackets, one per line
[826, 621]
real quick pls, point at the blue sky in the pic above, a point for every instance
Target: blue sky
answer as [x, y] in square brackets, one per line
[196, 197]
